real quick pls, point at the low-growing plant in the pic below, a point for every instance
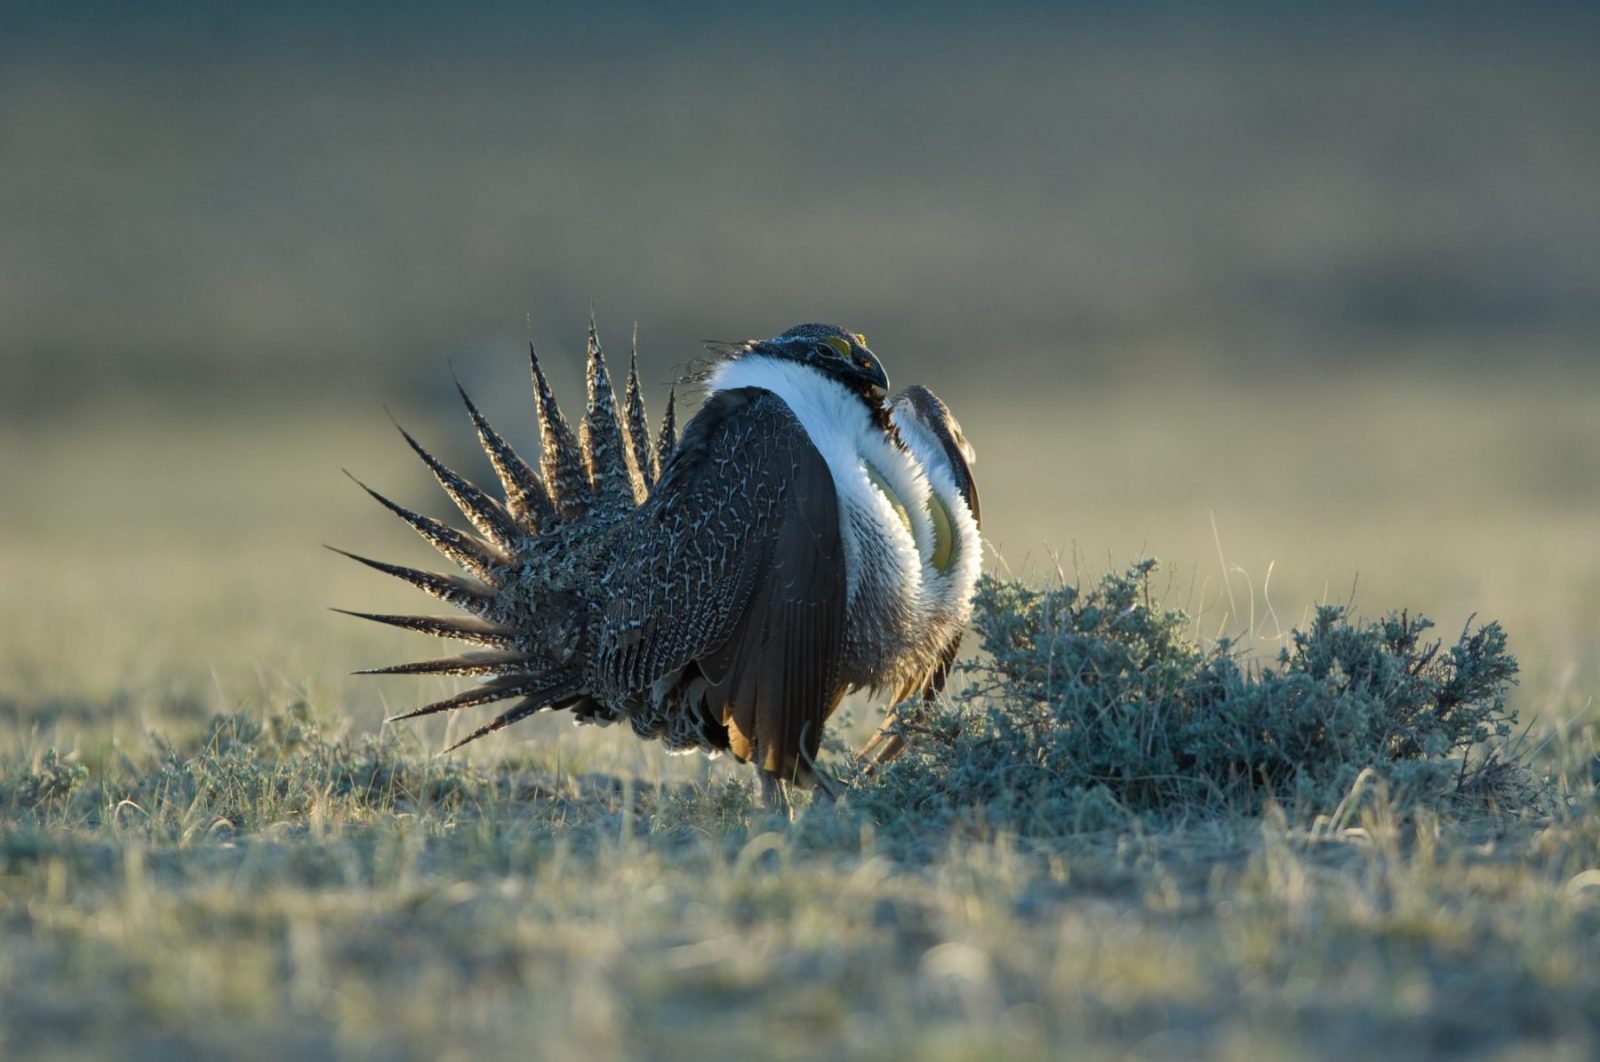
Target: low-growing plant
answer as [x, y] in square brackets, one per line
[1091, 701]
[52, 776]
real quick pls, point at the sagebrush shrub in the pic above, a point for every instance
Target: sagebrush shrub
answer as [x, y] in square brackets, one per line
[1098, 698]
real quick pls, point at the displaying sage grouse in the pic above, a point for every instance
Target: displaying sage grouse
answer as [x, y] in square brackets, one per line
[722, 591]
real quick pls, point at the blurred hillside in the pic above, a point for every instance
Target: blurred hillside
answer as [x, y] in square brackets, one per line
[225, 202]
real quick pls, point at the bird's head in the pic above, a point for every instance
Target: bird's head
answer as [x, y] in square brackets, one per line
[829, 349]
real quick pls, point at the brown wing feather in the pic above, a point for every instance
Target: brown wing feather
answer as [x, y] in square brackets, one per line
[777, 677]
[738, 574]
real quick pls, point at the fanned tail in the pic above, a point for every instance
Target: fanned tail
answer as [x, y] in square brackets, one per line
[526, 604]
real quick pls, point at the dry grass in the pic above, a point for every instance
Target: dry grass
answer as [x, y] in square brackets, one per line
[584, 893]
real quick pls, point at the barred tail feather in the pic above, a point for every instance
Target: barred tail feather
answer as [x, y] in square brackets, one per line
[471, 631]
[668, 441]
[526, 498]
[560, 460]
[638, 422]
[472, 662]
[478, 557]
[521, 710]
[485, 514]
[500, 689]
[604, 444]
[469, 595]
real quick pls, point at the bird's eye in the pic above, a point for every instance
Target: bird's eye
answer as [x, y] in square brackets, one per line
[840, 347]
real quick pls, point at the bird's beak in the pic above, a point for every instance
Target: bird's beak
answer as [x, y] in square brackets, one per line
[871, 373]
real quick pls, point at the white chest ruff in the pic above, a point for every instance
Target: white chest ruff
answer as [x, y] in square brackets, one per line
[949, 578]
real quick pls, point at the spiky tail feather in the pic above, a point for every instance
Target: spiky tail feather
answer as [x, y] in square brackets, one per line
[474, 662]
[469, 553]
[545, 686]
[560, 459]
[525, 494]
[645, 458]
[471, 631]
[669, 428]
[460, 591]
[485, 514]
[607, 449]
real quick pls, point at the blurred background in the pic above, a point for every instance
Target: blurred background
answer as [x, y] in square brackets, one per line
[1306, 302]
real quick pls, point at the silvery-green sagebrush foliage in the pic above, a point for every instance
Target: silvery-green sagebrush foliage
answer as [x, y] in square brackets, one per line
[1096, 699]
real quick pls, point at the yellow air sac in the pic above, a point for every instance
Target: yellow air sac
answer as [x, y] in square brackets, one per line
[882, 484]
[944, 535]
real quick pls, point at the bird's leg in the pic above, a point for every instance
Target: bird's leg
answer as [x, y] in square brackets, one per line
[884, 745]
[892, 746]
[774, 796]
[828, 786]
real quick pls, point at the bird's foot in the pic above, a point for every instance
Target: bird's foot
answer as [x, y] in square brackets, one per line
[775, 795]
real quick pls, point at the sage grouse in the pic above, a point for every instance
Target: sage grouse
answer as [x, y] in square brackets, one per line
[722, 591]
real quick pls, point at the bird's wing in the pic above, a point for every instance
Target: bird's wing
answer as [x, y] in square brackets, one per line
[736, 567]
